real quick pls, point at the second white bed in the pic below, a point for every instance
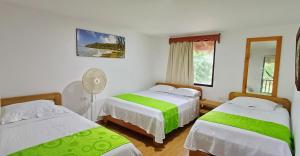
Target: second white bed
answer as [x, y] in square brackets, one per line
[149, 119]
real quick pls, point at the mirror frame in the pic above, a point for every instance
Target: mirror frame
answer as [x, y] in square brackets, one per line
[278, 40]
[297, 62]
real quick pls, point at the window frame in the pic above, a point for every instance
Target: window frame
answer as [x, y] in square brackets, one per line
[213, 70]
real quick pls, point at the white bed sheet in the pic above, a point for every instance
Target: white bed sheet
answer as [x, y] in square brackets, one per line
[222, 140]
[150, 119]
[27, 133]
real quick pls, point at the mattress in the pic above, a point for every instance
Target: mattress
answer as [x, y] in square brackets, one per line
[223, 140]
[27, 133]
[150, 119]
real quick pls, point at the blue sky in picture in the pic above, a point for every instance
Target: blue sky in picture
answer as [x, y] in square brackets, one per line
[85, 37]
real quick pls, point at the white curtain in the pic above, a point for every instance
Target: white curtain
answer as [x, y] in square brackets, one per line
[180, 65]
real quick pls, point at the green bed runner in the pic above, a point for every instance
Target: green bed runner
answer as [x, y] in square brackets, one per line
[267, 128]
[169, 110]
[91, 142]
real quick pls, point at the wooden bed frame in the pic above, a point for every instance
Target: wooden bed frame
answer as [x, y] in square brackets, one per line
[55, 96]
[283, 101]
[137, 129]
[199, 153]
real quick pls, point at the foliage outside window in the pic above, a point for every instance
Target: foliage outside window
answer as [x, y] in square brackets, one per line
[203, 59]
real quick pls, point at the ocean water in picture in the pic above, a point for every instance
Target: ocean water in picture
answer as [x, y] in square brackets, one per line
[94, 44]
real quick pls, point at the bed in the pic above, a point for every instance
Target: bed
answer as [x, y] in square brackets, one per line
[212, 135]
[58, 132]
[149, 121]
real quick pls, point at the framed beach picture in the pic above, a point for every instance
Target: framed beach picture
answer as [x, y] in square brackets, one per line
[297, 63]
[95, 44]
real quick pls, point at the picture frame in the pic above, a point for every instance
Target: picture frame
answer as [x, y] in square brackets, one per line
[297, 61]
[101, 45]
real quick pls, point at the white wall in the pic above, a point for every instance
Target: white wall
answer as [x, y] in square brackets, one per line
[229, 61]
[160, 59]
[38, 54]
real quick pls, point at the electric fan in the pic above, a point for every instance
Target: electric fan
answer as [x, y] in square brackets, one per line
[93, 81]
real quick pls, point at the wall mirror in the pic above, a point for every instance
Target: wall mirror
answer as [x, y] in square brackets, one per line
[261, 69]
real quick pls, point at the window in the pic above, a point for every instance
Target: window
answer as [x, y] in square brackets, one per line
[203, 59]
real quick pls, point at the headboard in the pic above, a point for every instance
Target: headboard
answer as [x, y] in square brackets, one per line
[56, 97]
[283, 101]
[183, 86]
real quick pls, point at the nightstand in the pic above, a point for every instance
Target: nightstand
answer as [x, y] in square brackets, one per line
[208, 105]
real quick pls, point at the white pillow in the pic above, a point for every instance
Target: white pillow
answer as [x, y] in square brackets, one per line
[162, 88]
[186, 92]
[255, 103]
[28, 110]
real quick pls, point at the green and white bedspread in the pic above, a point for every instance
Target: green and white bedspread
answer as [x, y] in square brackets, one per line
[169, 110]
[266, 128]
[92, 142]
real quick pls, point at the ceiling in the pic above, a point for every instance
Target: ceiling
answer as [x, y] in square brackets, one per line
[175, 16]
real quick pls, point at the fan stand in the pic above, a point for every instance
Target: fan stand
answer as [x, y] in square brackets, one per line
[92, 104]
[93, 81]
